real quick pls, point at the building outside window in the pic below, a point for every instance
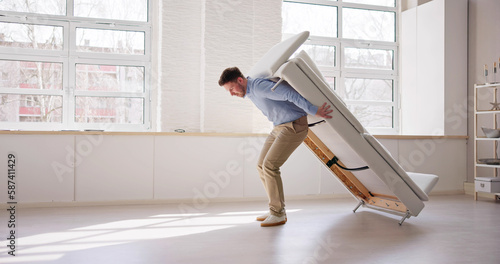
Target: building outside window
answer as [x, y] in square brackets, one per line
[355, 45]
[75, 64]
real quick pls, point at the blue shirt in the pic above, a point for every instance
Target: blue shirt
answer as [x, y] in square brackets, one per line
[280, 106]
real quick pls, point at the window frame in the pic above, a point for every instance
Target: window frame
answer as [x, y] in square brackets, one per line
[69, 57]
[340, 72]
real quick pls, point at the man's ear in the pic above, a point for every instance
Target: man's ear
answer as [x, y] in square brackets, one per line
[239, 80]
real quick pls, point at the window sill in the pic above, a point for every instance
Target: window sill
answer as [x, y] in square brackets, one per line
[410, 137]
[116, 133]
[77, 132]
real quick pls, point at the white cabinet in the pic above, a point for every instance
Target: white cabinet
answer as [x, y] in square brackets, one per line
[44, 167]
[486, 138]
[434, 68]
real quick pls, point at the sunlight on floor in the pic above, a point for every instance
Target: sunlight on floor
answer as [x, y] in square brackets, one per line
[29, 259]
[52, 246]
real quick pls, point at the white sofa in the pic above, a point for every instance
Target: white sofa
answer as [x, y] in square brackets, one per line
[345, 136]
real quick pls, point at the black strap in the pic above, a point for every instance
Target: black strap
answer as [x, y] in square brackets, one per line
[334, 161]
[316, 123]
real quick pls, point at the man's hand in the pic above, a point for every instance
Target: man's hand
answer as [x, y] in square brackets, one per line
[324, 111]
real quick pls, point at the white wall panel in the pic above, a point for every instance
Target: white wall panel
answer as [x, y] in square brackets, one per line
[409, 110]
[455, 72]
[198, 168]
[430, 66]
[445, 158]
[301, 173]
[192, 168]
[251, 148]
[236, 33]
[228, 41]
[114, 168]
[330, 184]
[181, 53]
[433, 70]
[199, 40]
[44, 167]
[483, 48]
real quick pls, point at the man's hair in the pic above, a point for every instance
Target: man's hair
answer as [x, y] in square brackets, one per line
[230, 75]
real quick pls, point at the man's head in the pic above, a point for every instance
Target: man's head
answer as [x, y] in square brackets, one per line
[233, 81]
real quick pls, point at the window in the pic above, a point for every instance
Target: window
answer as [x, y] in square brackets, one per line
[355, 45]
[76, 64]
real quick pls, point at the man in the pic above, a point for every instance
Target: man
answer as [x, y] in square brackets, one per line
[288, 111]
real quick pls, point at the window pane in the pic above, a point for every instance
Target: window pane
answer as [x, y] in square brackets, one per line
[321, 55]
[373, 115]
[48, 7]
[369, 59]
[330, 81]
[133, 10]
[110, 41]
[357, 89]
[31, 75]
[391, 3]
[369, 25]
[30, 108]
[31, 36]
[109, 78]
[318, 20]
[109, 110]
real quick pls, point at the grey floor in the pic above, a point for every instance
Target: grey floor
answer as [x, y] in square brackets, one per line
[450, 229]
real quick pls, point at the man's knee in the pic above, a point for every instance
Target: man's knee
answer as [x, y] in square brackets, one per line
[269, 168]
[259, 167]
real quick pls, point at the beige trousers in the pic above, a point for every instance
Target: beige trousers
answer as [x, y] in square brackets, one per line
[279, 145]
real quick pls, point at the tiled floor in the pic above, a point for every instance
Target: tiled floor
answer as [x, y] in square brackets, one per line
[451, 229]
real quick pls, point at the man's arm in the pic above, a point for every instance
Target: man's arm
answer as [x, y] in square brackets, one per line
[285, 92]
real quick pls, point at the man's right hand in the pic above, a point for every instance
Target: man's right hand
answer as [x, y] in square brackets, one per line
[324, 111]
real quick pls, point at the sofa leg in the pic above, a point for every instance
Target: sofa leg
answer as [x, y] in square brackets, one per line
[407, 215]
[361, 202]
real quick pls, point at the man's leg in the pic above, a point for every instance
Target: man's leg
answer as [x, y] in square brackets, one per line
[263, 153]
[280, 145]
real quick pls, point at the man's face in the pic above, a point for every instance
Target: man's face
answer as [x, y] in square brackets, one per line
[236, 88]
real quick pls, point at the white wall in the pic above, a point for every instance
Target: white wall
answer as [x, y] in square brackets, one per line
[199, 40]
[194, 169]
[484, 48]
[434, 68]
[38, 176]
[180, 58]
[445, 157]
[427, 86]
[408, 4]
